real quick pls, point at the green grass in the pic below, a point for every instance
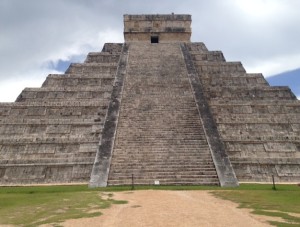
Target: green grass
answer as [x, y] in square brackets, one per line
[33, 206]
[283, 202]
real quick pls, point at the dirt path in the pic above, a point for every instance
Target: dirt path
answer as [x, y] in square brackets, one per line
[170, 208]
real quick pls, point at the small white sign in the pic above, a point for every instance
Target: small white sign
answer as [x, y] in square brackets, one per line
[156, 182]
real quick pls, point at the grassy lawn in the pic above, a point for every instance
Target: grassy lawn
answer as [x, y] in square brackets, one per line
[283, 202]
[33, 206]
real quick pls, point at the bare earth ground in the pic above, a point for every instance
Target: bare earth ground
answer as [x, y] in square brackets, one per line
[171, 208]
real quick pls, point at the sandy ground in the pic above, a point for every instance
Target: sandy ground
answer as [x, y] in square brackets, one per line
[171, 208]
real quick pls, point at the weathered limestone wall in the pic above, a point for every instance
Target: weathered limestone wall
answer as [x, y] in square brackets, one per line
[169, 28]
[51, 134]
[258, 124]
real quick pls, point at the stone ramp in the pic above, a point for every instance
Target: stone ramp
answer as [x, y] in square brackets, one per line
[258, 124]
[159, 136]
[50, 134]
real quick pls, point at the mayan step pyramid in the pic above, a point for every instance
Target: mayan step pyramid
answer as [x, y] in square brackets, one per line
[157, 109]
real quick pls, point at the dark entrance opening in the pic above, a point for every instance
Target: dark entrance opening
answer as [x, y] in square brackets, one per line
[154, 39]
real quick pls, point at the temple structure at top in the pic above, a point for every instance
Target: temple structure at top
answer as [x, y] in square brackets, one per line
[157, 28]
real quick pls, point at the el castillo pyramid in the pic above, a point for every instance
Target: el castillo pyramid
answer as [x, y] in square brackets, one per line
[156, 109]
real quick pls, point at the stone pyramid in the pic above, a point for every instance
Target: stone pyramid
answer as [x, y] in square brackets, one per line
[157, 109]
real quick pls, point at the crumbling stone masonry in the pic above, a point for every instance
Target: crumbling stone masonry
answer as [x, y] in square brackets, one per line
[159, 108]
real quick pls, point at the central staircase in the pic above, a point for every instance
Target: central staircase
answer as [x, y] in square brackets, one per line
[159, 137]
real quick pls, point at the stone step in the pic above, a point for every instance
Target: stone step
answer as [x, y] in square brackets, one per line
[222, 110]
[102, 57]
[270, 118]
[150, 153]
[45, 161]
[275, 102]
[92, 68]
[216, 67]
[171, 129]
[150, 145]
[210, 56]
[164, 161]
[197, 47]
[161, 138]
[112, 48]
[46, 104]
[66, 146]
[47, 139]
[199, 181]
[174, 147]
[82, 77]
[51, 131]
[12, 157]
[203, 164]
[67, 108]
[79, 80]
[153, 151]
[60, 121]
[162, 157]
[254, 80]
[166, 175]
[245, 93]
[120, 166]
[59, 93]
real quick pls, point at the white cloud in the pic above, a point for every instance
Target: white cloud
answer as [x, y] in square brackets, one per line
[261, 10]
[11, 88]
[274, 66]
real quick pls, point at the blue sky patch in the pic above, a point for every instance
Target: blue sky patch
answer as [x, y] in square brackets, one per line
[289, 78]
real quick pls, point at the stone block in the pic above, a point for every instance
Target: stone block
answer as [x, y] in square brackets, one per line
[36, 111]
[280, 147]
[87, 148]
[58, 129]
[12, 129]
[67, 148]
[39, 149]
[82, 172]
[58, 174]
[18, 111]
[4, 111]
[288, 170]
[7, 149]
[35, 129]
[24, 174]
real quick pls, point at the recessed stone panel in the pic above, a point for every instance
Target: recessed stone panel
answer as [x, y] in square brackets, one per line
[58, 173]
[58, 129]
[36, 111]
[288, 170]
[24, 174]
[82, 172]
[18, 111]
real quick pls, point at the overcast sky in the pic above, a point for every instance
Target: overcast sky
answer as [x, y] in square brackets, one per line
[37, 37]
